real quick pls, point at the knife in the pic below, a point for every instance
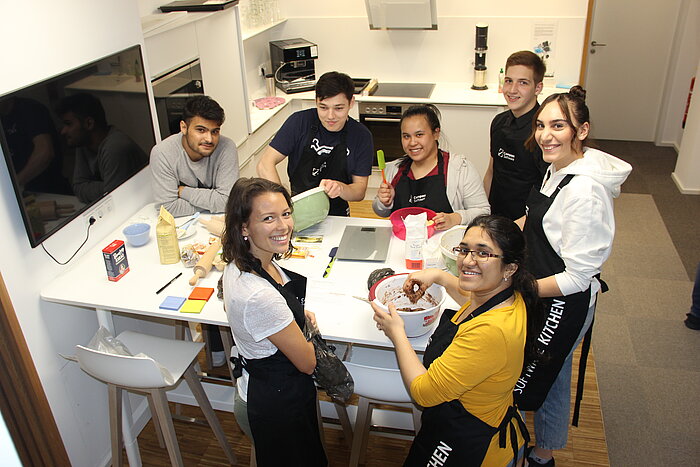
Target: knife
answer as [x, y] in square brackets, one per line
[381, 163]
[332, 254]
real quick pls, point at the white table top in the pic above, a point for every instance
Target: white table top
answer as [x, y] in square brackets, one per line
[340, 316]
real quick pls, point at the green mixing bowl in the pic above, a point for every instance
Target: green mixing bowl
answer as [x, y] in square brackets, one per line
[449, 240]
[310, 208]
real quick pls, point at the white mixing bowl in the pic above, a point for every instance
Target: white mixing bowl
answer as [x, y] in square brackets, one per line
[427, 308]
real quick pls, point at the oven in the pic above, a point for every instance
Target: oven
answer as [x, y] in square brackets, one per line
[171, 91]
[383, 119]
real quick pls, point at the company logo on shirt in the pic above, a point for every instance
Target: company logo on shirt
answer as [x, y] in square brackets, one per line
[317, 170]
[324, 150]
[505, 155]
[416, 198]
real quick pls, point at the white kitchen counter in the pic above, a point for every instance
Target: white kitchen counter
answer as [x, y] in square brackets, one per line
[444, 93]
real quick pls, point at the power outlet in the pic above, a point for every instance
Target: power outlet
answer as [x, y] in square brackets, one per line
[100, 210]
[262, 68]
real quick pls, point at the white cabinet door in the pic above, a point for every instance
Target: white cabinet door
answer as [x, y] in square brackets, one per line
[219, 44]
[170, 49]
[466, 131]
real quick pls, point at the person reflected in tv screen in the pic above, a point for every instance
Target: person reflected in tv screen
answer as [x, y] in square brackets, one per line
[105, 156]
[32, 140]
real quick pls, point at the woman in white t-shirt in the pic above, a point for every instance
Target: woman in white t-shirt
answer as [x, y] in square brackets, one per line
[276, 397]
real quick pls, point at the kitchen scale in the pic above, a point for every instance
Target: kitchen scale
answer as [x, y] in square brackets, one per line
[361, 243]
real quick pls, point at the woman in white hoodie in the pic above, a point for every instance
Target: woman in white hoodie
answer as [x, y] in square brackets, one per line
[569, 227]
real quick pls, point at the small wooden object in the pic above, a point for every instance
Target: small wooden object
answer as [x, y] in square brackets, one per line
[215, 225]
[50, 210]
[203, 266]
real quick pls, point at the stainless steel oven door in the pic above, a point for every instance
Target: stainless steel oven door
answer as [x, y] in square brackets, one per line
[386, 133]
[383, 119]
[171, 91]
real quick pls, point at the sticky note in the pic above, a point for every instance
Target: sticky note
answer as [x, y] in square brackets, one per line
[201, 293]
[172, 303]
[193, 306]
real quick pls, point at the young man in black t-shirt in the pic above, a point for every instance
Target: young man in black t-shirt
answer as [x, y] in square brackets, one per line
[513, 169]
[324, 146]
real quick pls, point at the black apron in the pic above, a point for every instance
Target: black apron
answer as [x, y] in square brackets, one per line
[312, 168]
[516, 169]
[427, 192]
[565, 315]
[281, 399]
[449, 434]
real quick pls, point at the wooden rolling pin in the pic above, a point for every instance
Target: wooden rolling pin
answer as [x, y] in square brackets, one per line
[215, 225]
[203, 266]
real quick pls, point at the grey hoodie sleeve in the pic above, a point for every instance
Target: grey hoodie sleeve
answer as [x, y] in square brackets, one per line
[389, 172]
[165, 182]
[225, 175]
[465, 189]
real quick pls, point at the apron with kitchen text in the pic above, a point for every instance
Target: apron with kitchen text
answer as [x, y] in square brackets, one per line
[312, 168]
[565, 315]
[428, 192]
[450, 436]
[281, 399]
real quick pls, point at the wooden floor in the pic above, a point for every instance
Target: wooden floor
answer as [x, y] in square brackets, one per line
[586, 447]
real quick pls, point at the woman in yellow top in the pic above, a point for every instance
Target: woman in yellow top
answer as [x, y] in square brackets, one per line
[475, 355]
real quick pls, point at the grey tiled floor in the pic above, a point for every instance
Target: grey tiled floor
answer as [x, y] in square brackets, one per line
[647, 361]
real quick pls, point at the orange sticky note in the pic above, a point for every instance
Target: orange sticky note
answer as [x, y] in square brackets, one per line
[193, 306]
[201, 293]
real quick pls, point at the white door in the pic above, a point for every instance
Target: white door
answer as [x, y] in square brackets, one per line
[625, 76]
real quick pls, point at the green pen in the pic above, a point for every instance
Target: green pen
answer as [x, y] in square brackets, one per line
[332, 255]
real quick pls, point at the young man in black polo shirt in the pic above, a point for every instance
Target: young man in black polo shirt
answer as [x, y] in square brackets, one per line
[513, 169]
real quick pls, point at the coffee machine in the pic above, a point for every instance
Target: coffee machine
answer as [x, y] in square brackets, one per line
[293, 64]
[482, 31]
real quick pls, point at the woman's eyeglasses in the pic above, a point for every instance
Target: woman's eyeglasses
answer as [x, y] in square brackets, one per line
[478, 255]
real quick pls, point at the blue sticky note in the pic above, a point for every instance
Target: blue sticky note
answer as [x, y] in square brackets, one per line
[172, 303]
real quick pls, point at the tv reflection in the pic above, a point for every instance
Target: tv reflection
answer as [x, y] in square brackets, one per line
[105, 156]
[60, 171]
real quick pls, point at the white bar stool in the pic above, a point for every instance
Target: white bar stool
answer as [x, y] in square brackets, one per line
[142, 374]
[377, 382]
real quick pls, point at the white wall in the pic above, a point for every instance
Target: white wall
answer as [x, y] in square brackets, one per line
[445, 55]
[685, 55]
[687, 173]
[43, 39]
[552, 8]
[346, 43]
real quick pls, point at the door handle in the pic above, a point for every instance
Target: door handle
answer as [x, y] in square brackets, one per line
[597, 44]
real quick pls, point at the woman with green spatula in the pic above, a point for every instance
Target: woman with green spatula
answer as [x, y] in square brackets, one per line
[430, 177]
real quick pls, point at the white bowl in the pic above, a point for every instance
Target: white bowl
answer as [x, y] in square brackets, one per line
[449, 240]
[416, 323]
[310, 208]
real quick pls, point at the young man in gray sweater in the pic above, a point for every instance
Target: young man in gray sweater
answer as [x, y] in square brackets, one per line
[195, 169]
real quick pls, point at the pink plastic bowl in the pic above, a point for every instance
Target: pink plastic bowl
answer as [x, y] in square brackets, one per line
[397, 217]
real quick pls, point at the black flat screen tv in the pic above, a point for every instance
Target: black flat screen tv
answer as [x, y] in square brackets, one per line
[70, 140]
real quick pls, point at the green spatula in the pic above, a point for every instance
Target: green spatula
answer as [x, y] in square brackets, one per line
[381, 163]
